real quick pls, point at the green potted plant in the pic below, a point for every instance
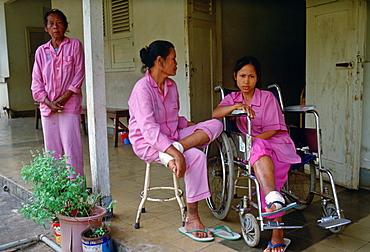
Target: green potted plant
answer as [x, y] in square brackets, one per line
[55, 195]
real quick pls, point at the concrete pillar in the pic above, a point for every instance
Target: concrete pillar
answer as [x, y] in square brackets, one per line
[96, 98]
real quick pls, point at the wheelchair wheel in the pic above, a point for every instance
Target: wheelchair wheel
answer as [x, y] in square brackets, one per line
[299, 186]
[250, 230]
[330, 210]
[220, 165]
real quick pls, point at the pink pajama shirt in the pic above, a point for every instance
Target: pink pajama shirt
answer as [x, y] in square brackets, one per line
[155, 124]
[53, 74]
[279, 147]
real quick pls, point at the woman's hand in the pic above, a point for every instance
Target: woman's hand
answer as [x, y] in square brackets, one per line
[178, 165]
[245, 108]
[53, 105]
[62, 100]
[191, 124]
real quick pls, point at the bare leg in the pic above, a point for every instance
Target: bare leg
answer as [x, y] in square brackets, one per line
[193, 221]
[277, 237]
[264, 168]
[198, 138]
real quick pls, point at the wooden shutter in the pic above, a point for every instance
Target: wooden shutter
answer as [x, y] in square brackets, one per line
[120, 16]
[35, 36]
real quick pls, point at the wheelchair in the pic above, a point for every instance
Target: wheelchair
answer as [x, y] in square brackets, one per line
[229, 171]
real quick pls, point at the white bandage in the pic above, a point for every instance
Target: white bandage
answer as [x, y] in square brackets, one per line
[166, 158]
[274, 196]
[178, 146]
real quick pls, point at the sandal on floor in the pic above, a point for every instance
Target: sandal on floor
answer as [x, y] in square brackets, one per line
[284, 245]
[199, 239]
[225, 232]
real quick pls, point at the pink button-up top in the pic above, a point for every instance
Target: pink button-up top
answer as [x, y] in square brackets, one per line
[55, 73]
[268, 117]
[154, 117]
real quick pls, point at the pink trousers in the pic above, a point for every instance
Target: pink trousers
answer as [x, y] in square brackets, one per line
[196, 176]
[62, 135]
[261, 147]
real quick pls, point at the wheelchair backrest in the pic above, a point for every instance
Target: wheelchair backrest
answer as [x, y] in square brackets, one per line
[301, 137]
[276, 90]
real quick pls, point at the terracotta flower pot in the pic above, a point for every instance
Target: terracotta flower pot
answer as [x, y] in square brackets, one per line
[72, 227]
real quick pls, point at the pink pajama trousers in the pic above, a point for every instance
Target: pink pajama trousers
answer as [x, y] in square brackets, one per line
[261, 147]
[196, 176]
[62, 135]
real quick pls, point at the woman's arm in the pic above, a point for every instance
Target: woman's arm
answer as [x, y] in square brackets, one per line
[224, 110]
[266, 134]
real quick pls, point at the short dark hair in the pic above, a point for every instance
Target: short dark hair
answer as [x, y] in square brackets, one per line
[150, 53]
[61, 15]
[240, 63]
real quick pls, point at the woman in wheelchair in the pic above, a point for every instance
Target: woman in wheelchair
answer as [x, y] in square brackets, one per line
[273, 151]
[158, 133]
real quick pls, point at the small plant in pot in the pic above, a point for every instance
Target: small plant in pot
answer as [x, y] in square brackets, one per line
[55, 195]
[97, 239]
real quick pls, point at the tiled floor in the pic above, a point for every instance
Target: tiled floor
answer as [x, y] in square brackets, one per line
[159, 224]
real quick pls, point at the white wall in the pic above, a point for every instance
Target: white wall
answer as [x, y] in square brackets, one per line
[4, 65]
[159, 19]
[19, 15]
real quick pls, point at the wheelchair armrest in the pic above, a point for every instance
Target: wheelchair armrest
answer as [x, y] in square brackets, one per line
[238, 112]
[299, 108]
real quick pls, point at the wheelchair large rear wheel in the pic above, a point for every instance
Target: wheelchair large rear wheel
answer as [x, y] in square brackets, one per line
[220, 165]
[300, 185]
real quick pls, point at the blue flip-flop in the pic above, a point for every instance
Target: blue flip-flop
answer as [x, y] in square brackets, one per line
[199, 239]
[225, 232]
[284, 245]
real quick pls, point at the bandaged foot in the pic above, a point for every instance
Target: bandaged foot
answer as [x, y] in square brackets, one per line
[275, 198]
[166, 158]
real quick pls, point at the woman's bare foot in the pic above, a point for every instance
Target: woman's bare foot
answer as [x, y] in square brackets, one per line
[276, 238]
[271, 209]
[195, 223]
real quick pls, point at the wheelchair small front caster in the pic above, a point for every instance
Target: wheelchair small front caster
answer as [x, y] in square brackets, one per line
[250, 230]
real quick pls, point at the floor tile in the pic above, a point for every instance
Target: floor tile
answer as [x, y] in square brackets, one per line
[344, 242]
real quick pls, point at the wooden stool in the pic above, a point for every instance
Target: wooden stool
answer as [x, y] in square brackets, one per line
[178, 195]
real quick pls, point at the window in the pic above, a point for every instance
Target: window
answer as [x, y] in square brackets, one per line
[118, 36]
[35, 36]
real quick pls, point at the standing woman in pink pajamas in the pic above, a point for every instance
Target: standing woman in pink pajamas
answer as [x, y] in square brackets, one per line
[57, 76]
[273, 151]
[158, 133]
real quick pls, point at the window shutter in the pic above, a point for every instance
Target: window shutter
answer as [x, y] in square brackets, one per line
[203, 6]
[35, 36]
[120, 16]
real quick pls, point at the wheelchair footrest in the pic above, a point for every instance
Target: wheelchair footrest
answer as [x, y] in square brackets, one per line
[332, 222]
[287, 207]
[277, 225]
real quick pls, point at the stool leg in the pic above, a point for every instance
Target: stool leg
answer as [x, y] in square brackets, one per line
[141, 208]
[180, 198]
